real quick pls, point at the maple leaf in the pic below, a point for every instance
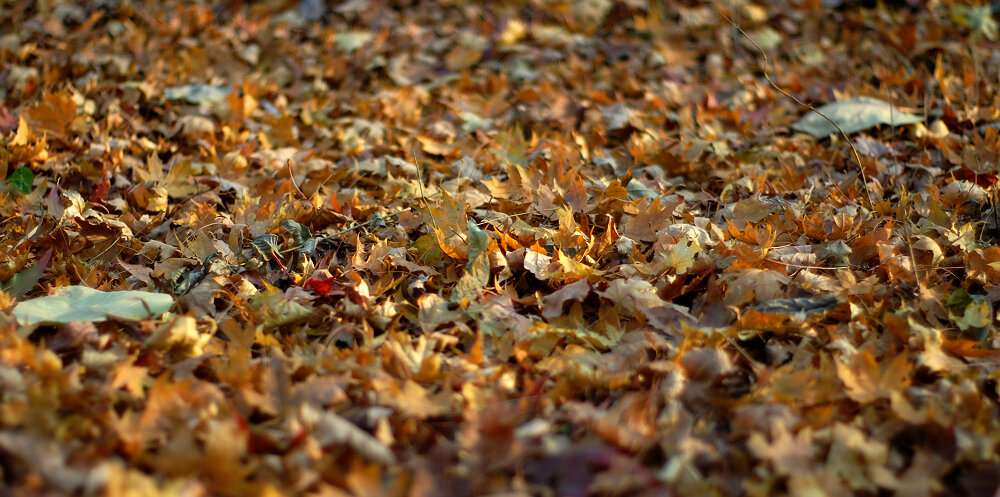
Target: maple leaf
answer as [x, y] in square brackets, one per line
[922, 477]
[790, 453]
[130, 376]
[868, 380]
[628, 426]
[53, 114]
[318, 284]
[745, 285]
[180, 334]
[225, 447]
[475, 278]
[857, 458]
[650, 216]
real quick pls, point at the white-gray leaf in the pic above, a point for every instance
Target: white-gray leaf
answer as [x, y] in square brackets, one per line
[852, 116]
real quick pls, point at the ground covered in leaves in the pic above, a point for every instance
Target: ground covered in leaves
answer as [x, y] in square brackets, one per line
[521, 248]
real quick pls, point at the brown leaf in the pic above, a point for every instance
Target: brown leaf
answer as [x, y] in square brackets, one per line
[867, 380]
[53, 114]
[555, 303]
[790, 453]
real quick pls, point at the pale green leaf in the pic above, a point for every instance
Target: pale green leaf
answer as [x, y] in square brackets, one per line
[977, 19]
[853, 115]
[637, 190]
[199, 94]
[767, 38]
[79, 303]
[472, 122]
[479, 241]
[349, 41]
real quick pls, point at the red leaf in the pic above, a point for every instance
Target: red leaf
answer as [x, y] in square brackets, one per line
[100, 193]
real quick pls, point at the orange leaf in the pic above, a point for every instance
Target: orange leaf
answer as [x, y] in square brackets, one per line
[966, 348]
[54, 115]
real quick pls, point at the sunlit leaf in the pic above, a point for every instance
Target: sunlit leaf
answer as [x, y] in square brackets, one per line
[349, 41]
[976, 316]
[978, 19]
[178, 334]
[476, 276]
[53, 115]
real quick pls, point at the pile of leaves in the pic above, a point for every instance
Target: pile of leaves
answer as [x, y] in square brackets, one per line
[538, 247]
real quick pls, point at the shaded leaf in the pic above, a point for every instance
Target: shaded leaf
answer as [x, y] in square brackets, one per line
[79, 303]
[22, 179]
[479, 241]
[25, 280]
[304, 241]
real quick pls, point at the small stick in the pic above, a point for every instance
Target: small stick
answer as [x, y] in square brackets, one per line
[909, 242]
[292, 177]
[420, 185]
[282, 266]
[352, 228]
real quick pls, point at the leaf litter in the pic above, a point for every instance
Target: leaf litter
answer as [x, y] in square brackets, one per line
[528, 248]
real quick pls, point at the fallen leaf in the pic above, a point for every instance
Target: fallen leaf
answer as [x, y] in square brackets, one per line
[853, 115]
[24, 281]
[78, 303]
[867, 380]
[331, 430]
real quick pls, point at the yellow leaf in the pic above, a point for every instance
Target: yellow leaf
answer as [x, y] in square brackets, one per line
[23, 134]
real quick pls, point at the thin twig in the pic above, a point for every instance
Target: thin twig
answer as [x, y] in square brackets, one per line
[767, 76]
[909, 242]
[292, 177]
[420, 185]
[328, 236]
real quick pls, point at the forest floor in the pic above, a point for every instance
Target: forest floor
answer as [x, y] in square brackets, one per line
[531, 248]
